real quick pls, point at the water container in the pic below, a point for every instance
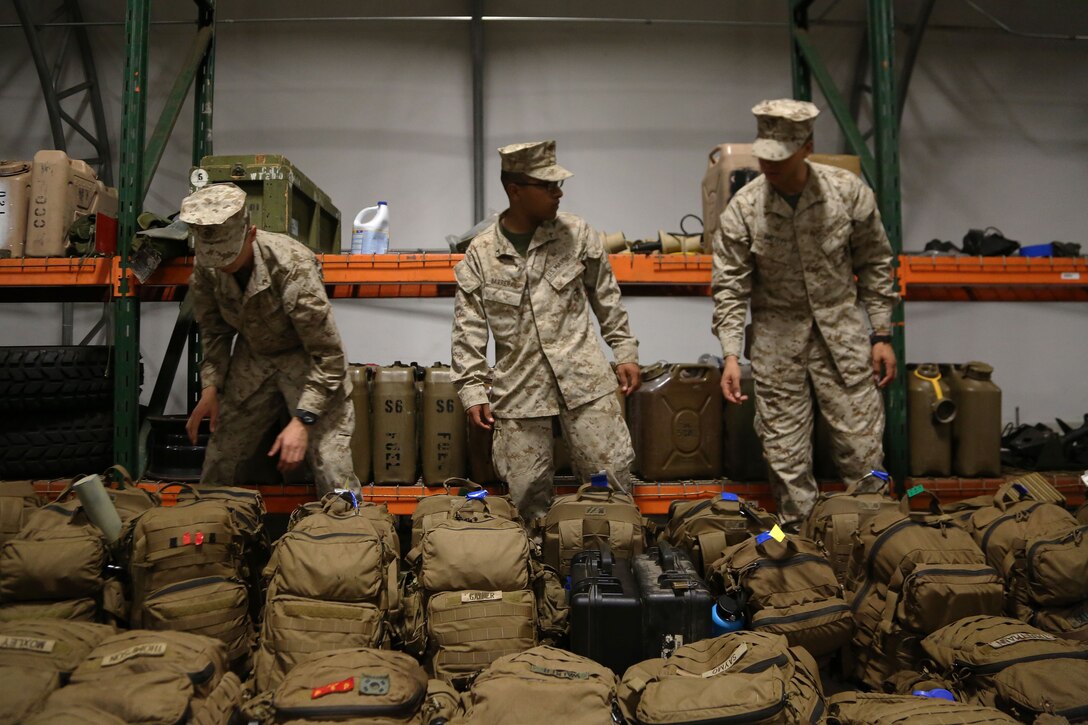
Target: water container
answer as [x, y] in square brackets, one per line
[370, 232]
[930, 412]
[62, 190]
[676, 422]
[360, 439]
[976, 429]
[443, 445]
[742, 450]
[393, 424]
[727, 615]
[14, 203]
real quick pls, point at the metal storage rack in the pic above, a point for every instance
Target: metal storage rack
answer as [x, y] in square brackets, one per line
[417, 275]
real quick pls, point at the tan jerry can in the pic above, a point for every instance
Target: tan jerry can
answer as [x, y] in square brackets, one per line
[930, 412]
[393, 425]
[976, 429]
[61, 191]
[360, 438]
[676, 422]
[732, 165]
[443, 446]
[280, 198]
[15, 179]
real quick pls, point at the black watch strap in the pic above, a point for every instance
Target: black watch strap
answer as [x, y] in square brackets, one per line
[306, 416]
[875, 338]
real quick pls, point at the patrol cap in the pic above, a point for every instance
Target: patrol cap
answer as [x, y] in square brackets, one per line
[217, 216]
[535, 159]
[783, 126]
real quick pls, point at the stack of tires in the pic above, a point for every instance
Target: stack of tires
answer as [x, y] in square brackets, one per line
[56, 411]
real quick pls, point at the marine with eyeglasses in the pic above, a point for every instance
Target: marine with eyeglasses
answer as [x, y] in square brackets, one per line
[530, 280]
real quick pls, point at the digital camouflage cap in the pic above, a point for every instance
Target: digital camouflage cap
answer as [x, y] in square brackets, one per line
[535, 159]
[782, 126]
[217, 216]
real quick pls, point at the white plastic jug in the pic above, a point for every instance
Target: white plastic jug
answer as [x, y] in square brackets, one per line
[370, 232]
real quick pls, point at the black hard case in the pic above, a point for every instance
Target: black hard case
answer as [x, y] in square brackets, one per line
[605, 612]
[676, 602]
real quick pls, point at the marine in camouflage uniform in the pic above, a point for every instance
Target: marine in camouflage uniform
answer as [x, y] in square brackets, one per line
[804, 245]
[535, 301]
[263, 293]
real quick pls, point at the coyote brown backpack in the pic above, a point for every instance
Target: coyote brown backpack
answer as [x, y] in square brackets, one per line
[705, 528]
[594, 516]
[873, 708]
[36, 657]
[1041, 550]
[188, 571]
[17, 501]
[1008, 664]
[788, 588]
[332, 583]
[541, 686]
[378, 687]
[432, 509]
[738, 677]
[838, 517]
[912, 573]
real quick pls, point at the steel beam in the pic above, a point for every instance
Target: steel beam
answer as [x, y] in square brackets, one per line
[477, 39]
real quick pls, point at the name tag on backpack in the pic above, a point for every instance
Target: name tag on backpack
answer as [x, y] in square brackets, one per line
[469, 597]
[737, 654]
[151, 649]
[1020, 637]
[31, 644]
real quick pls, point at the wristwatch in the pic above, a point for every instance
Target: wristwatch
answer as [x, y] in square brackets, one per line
[306, 416]
[875, 338]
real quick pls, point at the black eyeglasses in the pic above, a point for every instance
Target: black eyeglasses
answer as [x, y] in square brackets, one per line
[551, 186]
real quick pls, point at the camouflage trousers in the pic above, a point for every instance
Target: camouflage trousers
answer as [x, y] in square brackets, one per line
[243, 423]
[522, 451]
[785, 390]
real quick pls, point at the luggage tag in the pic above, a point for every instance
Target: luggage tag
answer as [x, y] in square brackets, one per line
[476, 495]
[726, 496]
[915, 490]
[882, 475]
[599, 479]
[775, 533]
[342, 686]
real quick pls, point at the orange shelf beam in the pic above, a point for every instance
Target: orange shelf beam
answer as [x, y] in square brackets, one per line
[993, 278]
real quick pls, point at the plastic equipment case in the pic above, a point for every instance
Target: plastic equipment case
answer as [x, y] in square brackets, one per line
[280, 198]
[676, 602]
[605, 612]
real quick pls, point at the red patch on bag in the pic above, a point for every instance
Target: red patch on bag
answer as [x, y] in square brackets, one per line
[342, 686]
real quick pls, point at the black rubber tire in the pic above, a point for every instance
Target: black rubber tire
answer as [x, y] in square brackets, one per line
[56, 446]
[67, 378]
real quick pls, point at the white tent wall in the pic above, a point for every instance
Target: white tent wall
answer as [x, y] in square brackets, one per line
[995, 132]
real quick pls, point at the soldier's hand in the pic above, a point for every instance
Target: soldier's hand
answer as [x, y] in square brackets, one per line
[480, 416]
[291, 444]
[883, 364]
[630, 377]
[206, 407]
[731, 381]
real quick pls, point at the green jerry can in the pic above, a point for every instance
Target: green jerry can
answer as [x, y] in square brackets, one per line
[393, 424]
[742, 458]
[930, 412]
[280, 197]
[976, 429]
[444, 445]
[360, 438]
[676, 422]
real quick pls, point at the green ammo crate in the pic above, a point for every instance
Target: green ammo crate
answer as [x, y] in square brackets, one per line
[280, 197]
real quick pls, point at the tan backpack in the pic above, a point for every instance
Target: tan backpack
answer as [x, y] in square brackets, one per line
[541, 686]
[1041, 550]
[706, 528]
[837, 518]
[17, 501]
[787, 588]
[332, 583]
[874, 708]
[912, 573]
[1019, 669]
[58, 555]
[36, 657]
[378, 687]
[595, 516]
[738, 677]
[432, 509]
